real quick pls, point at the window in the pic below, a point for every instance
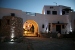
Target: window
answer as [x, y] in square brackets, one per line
[58, 22]
[49, 26]
[8, 22]
[12, 14]
[54, 12]
[51, 7]
[48, 12]
[43, 26]
[63, 12]
[63, 26]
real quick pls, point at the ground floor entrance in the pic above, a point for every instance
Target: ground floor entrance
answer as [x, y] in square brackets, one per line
[30, 28]
[58, 28]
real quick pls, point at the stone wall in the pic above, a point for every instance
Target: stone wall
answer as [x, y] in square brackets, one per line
[11, 25]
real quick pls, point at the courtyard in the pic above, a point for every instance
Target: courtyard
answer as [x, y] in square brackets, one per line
[39, 43]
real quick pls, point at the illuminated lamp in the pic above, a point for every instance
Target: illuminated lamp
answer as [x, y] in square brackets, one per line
[12, 40]
[12, 33]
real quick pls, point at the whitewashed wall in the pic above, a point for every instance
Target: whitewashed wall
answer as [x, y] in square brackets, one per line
[72, 18]
[39, 18]
[57, 8]
[7, 12]
[45, 19]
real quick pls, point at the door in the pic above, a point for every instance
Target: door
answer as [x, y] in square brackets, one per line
[58, 28]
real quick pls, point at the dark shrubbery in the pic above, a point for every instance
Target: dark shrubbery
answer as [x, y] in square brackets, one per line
[48, 35]
[73, 34]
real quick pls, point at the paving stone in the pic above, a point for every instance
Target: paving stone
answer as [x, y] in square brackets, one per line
[37, 43]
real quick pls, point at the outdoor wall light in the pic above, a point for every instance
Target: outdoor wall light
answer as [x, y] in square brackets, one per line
[12, 40]
[12, 35]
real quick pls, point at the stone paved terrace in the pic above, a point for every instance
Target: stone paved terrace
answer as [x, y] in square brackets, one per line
[38, 43]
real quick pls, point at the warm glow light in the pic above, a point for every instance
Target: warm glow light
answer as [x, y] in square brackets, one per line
[27, 28]
[25, 32]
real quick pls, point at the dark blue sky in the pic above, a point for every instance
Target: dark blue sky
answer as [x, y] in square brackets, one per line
[34, 5]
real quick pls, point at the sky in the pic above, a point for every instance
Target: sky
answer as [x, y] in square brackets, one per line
[35, 6]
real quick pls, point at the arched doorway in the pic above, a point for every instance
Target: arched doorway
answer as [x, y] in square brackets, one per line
[30, 28]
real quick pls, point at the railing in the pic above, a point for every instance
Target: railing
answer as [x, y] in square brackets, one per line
[31, 14]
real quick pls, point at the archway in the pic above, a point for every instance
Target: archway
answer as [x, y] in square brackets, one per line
[30, 28]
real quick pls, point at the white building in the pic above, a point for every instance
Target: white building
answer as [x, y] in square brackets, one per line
[53, 19]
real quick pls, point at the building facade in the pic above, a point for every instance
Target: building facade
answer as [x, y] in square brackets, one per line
[54, 19]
